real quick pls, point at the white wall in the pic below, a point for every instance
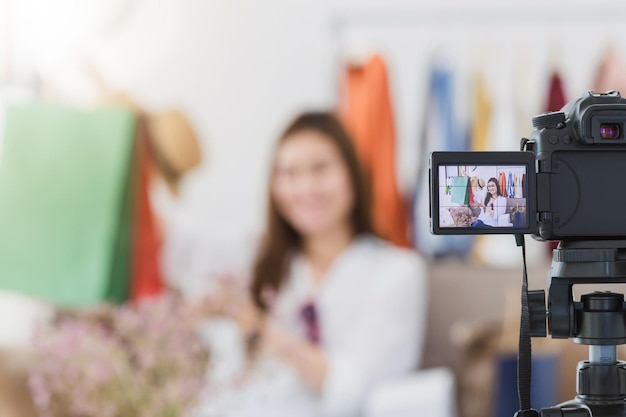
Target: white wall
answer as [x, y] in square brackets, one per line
[241, 69]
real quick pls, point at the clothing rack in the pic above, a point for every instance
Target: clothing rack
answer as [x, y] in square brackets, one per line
[481, 15]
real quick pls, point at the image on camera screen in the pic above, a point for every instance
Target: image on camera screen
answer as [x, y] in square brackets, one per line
[482, 196]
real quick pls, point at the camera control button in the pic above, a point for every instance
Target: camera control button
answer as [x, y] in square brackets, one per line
[553, 140]
[567, 140]
[548, 120]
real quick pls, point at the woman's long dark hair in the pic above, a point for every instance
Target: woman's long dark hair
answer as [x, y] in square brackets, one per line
[488, 195]
[280, 237]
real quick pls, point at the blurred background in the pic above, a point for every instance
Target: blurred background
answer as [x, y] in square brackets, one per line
[241, 70]
[184, 100]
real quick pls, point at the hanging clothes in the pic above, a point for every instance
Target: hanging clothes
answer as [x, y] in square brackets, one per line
[146, 273]
[511, 186]
[556, 94]
[440, 131]
[502, 182]
[518, 187]
[482, 114]
[611, 73]
[367, 112]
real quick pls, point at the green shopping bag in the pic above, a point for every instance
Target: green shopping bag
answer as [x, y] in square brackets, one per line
[65, 203]
[460, 190]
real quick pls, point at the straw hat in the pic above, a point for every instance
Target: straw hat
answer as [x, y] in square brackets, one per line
[175, 144]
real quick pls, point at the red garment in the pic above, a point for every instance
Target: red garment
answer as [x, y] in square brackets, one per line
[146, 274]
[556, 94]
[367, 112]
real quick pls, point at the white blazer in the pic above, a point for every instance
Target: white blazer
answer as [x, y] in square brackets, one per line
[372, 313]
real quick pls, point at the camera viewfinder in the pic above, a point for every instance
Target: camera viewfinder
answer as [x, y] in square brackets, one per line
[610, 131]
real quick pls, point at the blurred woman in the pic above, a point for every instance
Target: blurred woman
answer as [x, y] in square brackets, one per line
[335, 309]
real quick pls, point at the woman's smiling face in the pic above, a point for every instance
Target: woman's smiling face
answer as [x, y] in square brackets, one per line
[492, 188]
[311, 184]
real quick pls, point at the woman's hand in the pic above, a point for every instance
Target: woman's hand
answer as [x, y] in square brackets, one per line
[231, 299]
[235, 302]
[308, 359]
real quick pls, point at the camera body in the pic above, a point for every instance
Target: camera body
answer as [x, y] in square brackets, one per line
[569, 181]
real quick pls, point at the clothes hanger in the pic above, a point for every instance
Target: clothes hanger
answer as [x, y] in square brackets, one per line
[357, 52]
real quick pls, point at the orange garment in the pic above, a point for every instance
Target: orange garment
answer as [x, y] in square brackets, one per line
[366, 110]
[502, 183]
[146, 274]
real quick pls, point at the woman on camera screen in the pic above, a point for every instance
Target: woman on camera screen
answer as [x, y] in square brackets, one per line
[492, 207]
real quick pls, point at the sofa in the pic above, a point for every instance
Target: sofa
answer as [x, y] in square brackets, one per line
[464, 216]
[513, 205]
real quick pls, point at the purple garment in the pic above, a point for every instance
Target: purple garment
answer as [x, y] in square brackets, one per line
[311, 322]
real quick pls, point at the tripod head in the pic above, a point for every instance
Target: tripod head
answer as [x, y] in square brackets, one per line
[597, 320]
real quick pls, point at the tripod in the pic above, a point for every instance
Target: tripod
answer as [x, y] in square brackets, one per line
[597, 320]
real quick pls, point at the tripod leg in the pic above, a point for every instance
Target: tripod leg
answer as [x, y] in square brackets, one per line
[565, 412]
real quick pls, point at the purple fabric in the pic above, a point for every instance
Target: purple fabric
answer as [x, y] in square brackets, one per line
[310, 318]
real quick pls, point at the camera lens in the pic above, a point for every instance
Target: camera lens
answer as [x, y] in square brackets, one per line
[610, 131]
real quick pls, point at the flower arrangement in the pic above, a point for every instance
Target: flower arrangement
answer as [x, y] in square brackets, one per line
[133, 360]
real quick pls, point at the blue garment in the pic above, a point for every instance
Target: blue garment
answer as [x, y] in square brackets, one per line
[511, 190]
[440, 131]
[479, 223]
[544, 383]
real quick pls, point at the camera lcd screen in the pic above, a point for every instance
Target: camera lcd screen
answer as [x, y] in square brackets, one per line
[482, 192]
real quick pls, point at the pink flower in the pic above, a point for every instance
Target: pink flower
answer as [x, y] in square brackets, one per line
[139, 360]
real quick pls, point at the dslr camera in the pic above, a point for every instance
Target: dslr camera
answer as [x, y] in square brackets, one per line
[567, 183]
